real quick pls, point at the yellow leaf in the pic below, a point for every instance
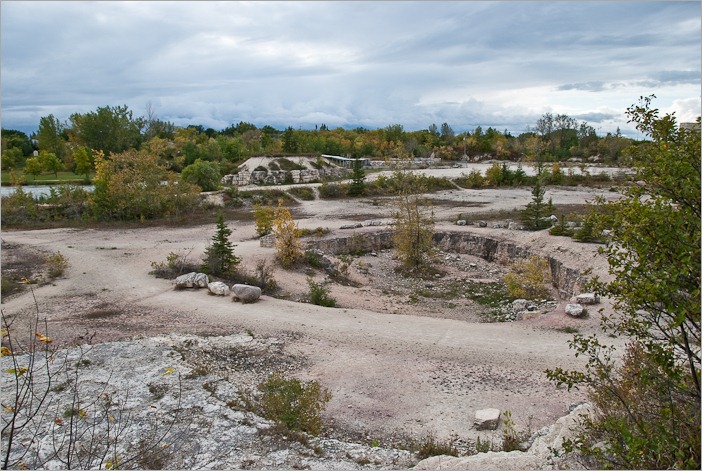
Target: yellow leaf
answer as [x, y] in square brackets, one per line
[19, 371]
[169, 370]
[43, 338]
[24, 280]
[8, 409]
[4, 351]
[4, 332]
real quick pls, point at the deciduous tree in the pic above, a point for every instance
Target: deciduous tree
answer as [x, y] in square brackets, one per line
[648, 404]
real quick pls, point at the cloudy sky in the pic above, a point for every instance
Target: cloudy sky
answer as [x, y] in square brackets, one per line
[370, 64]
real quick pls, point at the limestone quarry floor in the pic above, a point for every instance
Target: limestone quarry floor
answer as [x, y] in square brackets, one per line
[395, 368]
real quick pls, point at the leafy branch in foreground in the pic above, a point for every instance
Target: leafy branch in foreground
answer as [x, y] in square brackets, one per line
[647, 405]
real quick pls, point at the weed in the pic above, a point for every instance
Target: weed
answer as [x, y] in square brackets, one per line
[158, 390]
[432, 446]
[568, 330]
[482, 446]
[198, 371]
[210, 387]
[56, 264]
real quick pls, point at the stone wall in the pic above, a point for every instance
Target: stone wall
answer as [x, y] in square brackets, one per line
[278, 177]
[568, 280]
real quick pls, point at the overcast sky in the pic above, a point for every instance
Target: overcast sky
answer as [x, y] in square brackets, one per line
[370, 64]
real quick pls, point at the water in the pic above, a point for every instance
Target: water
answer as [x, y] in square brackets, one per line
[37, 190]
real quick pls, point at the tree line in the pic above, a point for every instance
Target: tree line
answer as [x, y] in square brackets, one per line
[71, 145]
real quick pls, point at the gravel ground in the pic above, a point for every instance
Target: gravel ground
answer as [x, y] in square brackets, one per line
[396, 367]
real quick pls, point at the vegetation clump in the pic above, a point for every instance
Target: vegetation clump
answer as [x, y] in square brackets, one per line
[295, 404]
[528, 278]
[647, 405]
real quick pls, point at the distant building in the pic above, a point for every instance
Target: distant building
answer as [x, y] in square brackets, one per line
[346, 162]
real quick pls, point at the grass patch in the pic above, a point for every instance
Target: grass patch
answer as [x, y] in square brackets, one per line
[266, 197]
[305, 193]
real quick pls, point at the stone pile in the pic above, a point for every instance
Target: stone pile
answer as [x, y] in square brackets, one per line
[240, 292]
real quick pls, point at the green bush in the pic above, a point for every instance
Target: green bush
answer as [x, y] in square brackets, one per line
[303, 192]
[330, 190]
[294, 404]
[319, 294]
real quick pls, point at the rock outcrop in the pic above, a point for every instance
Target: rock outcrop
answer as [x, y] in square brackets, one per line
[493, 249]
[191, 280]
[546, 451]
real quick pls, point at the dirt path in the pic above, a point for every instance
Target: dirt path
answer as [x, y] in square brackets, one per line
[391, 374]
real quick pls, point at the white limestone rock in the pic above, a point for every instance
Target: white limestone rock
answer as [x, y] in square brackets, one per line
[487, 419]
[192, 280]
[218, 288]
[575, 310]
[246, 293]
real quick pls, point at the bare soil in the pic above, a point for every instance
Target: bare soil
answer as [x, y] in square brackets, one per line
[398, 363]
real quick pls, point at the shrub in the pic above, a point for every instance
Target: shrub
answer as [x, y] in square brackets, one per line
[56, 264]
[287, 237]
[528, 278]
[303, 192]
[473, 180]
[330, 190]
[263, 217]
[176, 264]
[296, 405]
[319, 294]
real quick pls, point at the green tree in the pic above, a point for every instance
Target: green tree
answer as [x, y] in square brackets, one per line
[290, 141]
[203, 174]
[11, 158]
[110, 129]
[648, 404]
[50, 136]
[219, 258]
[83, 159]
[413, 231]
[33, 166]
[51, 163]
[137, 185]
[534, 216]
[358, 179]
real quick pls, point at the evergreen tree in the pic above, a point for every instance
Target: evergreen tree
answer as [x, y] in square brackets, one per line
[219, 259]
[358, 178]
[535, 215]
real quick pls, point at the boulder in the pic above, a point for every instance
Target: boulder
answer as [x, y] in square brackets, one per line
[587, 298]
[461, 222]
[487, 419]
[575, 310]
[482, 223]
[520, 304]
[191, 280]
[218, 288]
[351, 226]
[246, 293]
